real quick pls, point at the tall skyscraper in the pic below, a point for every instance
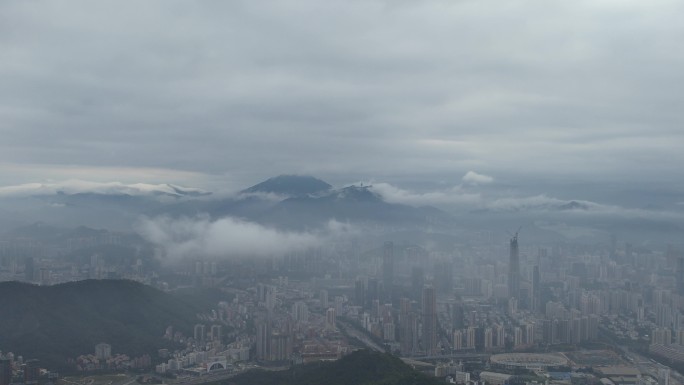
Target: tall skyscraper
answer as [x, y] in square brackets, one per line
[680, 275]
[330, 319]
[103, 351]
[263, 338]
[444, 277]
[199, 332]
[407, 321]
[536, 290]
[29, 269]
[372, 292]
[514, 268]
[323, 297]
[388, 271]
[417, 282]
[216, 332]
[430, 320]
[360, 293]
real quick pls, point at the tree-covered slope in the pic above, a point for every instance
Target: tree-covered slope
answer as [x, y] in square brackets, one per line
[359, 368]
[54, 323]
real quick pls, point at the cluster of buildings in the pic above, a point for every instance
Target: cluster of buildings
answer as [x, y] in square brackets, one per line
[103, 359]
[17, 370]
[59, 259]
[480, 299]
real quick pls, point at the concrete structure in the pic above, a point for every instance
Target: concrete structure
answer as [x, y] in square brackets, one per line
[532, 361]
[388, 271]
[330, 319]
[674, 352]
[429, 320]
[103, 351]
[216, 332]
[620, 375]
[514, 268]
[199, 332]
[492, 378]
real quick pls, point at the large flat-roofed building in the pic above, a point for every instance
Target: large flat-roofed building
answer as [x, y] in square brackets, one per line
[674, 352]
[532, 361]
[493, 378]
[620, 375]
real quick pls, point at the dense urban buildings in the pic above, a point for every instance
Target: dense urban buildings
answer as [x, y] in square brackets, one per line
[409, 301]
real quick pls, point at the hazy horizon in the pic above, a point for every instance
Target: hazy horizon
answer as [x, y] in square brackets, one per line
[223, 95]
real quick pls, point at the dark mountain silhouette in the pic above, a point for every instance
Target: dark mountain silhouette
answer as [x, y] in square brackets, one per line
[53, 323]
[307, 202]
[38, 231]
[290, 185]
[360, 367]
[574, 205]
[354, 204]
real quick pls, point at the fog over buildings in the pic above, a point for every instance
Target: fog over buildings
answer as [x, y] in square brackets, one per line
[443, 180]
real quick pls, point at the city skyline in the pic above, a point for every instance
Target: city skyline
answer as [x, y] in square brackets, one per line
[193, 190]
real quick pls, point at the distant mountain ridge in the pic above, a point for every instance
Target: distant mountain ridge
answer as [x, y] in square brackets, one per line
[290, 185]
[307, 203]
[285, 201]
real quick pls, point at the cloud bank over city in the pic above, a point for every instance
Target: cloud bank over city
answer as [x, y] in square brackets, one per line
[223, 238]
[230, 238]
[218, 95]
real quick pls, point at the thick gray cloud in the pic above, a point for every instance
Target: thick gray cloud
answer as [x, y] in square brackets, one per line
[217, 93]
[230, 237]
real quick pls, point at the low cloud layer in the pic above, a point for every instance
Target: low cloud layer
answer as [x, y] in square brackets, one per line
[471, 177]
[448, 197]
[80, 186]
[470, 198]
[228, 237]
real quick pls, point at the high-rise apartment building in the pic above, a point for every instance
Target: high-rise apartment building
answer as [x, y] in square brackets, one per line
[103, 351]
[330, 318]
[429, 320]
[199, 332]
[216, 334]
[388, 271]
[263, 339]
[417, 282]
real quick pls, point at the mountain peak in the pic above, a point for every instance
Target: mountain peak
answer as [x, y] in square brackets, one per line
[358, 194]
[293, 185]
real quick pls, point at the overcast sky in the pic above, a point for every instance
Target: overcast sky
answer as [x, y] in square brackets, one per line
[222, 94]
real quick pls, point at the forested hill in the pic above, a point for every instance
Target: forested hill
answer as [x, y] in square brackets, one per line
[360, 367]
[54, 323]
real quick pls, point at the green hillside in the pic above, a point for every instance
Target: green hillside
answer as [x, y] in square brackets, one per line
[359, 368]
[53, 323]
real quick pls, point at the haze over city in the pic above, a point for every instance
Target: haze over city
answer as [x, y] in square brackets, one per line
[485, 192]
